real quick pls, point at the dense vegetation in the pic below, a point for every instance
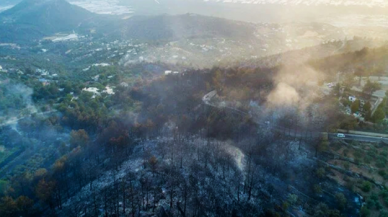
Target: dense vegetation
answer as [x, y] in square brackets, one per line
[365, 62]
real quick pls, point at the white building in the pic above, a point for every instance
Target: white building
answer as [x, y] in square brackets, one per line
[352, 98]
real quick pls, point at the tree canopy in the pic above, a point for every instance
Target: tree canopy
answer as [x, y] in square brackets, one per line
[371, 87]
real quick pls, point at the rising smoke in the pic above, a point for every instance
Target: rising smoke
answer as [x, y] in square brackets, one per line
[295, 86]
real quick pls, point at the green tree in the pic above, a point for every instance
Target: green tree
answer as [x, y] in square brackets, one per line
[341, 200]
[292, 199]
[346, 102]
[367, 107]
[366, 186]
[383, 214]
[355, 106]
[371, 87]
[365, 212]
[370, 203]
[368, 116]
[317, 189]
[322, 210]
[21, 183]
[321, 173]
[379, 115]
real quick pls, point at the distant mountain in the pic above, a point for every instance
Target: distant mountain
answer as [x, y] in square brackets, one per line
[167, 27]
[35, 19]
[9, 2]
[112, 7]
[32, 19]
[53, 15]
[369, 3]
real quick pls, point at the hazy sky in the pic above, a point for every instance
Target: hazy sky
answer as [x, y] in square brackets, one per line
[244, 10]
[307, 2]
[263, 10]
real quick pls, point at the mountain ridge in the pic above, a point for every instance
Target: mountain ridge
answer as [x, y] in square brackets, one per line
[172, 27]
[36, 19]
[33, 19]
[36, 11]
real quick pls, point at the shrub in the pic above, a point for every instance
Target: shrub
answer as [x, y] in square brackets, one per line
[350, 185]
[366, 186]
[382, 173]
[365, 212]
[371, 153]
[383, 214]
[384, 194]
[383, 159]
[370, 204]
[378, 205]
[321, 173]
[336, 146]
[317, 189]
[347, 166]
[374, 197]
[341, 200]
[380, 164]
[292, 199]
[346, 152]
[368, 159]
[285, 205]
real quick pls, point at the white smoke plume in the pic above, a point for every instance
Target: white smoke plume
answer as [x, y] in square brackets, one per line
[295, 86]
[27, 107]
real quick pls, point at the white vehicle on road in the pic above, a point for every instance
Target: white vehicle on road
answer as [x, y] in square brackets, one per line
[341, 135]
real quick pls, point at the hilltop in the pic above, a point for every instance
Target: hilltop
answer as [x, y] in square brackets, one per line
[38, 18]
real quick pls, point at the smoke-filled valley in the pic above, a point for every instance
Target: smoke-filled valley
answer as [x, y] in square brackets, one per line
[130, 113]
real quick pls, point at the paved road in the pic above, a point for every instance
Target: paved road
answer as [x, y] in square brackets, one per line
[333, 136]
[361, 138]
